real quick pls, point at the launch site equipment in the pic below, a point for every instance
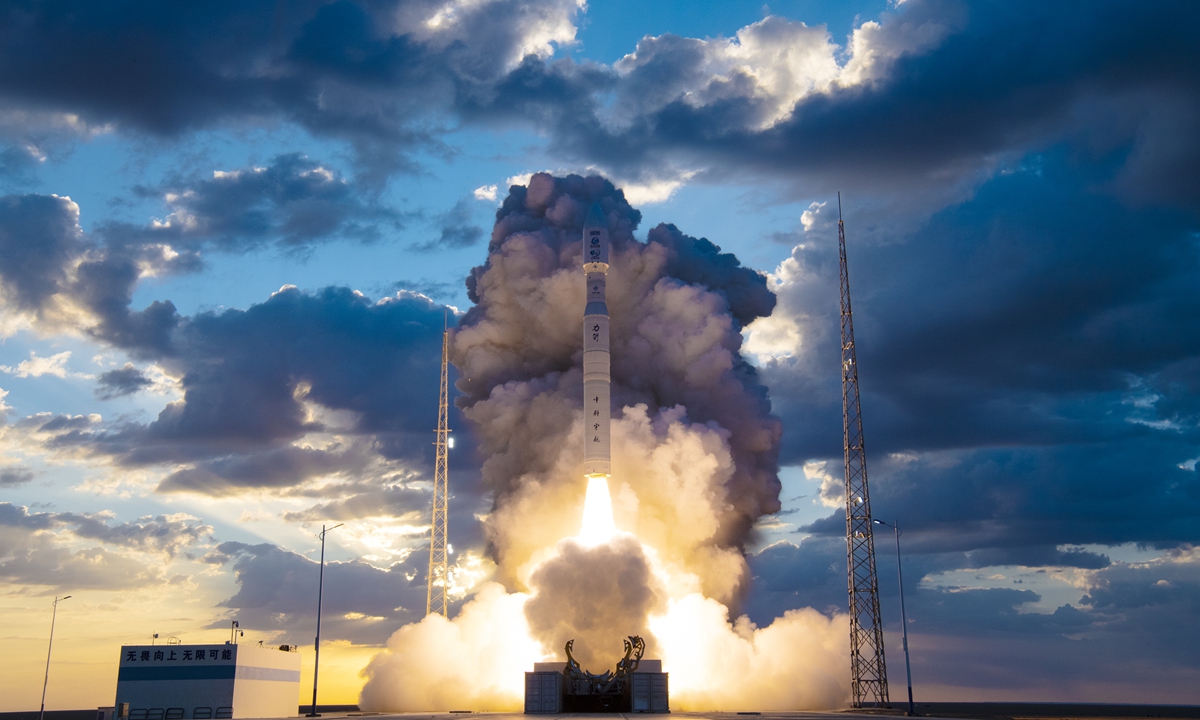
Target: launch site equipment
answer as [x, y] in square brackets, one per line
[49, 649]
[903, 617]
[438, 578]
[317, 645]
[613, 690]
[868, 671]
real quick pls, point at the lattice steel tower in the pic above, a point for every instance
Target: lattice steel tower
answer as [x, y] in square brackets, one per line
[439, 568]
[867, 667]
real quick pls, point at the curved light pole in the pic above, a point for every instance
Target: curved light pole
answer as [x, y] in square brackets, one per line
[317, 647]
[903, 617]
[53, 618]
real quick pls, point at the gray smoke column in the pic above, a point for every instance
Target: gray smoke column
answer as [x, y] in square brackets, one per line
[595, 596]
[677, 306]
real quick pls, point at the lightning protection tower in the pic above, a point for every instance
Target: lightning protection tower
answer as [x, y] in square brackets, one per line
[439, 569]
[867, 668]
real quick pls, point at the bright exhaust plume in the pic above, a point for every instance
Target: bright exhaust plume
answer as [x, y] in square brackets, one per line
[598, 524]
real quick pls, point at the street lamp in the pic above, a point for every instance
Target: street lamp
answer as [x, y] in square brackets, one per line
[317, 646]
[53, 618]
[903, 617]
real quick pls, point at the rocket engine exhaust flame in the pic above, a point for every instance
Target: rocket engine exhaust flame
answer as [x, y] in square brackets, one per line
[688, 463]
[598, 526]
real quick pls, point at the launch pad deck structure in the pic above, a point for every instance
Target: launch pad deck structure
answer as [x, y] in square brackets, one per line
[959, 710]
[944, 710]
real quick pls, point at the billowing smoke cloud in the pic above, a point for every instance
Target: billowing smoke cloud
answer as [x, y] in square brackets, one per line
[594, 596]
[678, 306]
[695, 451]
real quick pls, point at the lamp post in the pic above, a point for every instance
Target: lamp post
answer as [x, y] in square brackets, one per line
[53, 618]
[317, 645]
[903, 617]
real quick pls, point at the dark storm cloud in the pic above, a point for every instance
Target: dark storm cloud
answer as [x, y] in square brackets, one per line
[293, 203]
[39, 237]
[1005, 637]
[52, 272]
[276, 467]
[247, 374]
[374, 75]
[456, 228]
[1014, 506]
[1169, 586]
[123, 381]
[1028, 365]
[249, 377]
[946, 89]
[932, 95]
[1139, 613]
[362, 603]
[787, 575]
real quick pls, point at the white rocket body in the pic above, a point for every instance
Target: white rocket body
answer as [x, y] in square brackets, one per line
[597, 413]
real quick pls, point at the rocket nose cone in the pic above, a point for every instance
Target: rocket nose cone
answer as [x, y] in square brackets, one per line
[595, 217]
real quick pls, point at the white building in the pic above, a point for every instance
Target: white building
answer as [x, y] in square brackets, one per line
[208, 682]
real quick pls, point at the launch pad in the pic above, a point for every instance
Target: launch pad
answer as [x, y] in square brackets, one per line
[636, 685]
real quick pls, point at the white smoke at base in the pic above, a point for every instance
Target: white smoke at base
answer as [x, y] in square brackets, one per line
[477, 660]
[474, 661]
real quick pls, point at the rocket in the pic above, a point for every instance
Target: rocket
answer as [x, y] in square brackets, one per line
[597, 451]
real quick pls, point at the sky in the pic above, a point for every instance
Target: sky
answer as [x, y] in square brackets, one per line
[231, 234]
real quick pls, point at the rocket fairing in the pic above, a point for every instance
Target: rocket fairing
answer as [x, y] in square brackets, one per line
[597, 451]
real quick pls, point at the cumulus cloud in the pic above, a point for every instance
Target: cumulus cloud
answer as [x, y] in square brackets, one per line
[40, 240]
[36, 366]
[767, 67]
[53, 549]
[126, 380]
[374, 76]
[1006, 381]
[898, 103]
[275, 587]
[12, 476]
[277, 378]
[293, 202]
[456, 228]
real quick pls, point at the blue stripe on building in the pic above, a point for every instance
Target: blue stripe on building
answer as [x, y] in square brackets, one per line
[206, 672]
[178, 672]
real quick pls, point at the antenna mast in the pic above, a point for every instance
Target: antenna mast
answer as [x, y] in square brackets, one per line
[439, 569]
[867, 667]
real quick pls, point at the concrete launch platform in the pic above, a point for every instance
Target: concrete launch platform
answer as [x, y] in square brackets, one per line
[950, 711]
[963, 711]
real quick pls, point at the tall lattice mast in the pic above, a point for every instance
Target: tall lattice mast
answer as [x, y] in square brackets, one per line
[867, 667]
[439, 568]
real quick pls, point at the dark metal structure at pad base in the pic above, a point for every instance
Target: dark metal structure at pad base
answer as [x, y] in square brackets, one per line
[636, 686]
[646, 692]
